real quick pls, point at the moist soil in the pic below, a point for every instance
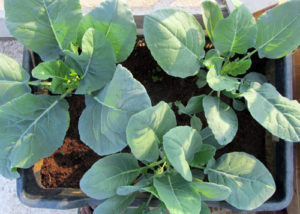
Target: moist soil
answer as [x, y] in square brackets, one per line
[68, 164]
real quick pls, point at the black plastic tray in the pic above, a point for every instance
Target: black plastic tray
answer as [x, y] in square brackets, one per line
[31, 193]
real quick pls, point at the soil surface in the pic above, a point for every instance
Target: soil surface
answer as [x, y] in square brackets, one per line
[67, 165]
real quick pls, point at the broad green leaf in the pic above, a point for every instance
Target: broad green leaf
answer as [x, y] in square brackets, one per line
[27, 124]
[209, 138]
[59, 72]
[45, 26]
[211, 14]
[115, 205]
[212, 53]
[204, 208]
[175, 39]
[180, 145]
[236, 67]
[212, 191]
[177, 194]
[102, 180]
[194, 105]
[146, 129]
[236, 33]
[277, 114]
[252, 77]
[202, 157]
[97, 62]
[215, 79]
[221, 119]
[278, 34]
[238, 105]
[115, 20]
[13, 80]
[196, 123]
[201, 81]
[249, 180]
[102, 125]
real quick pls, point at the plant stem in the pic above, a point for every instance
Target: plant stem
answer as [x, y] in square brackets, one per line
[249, 55]
[149, 200]
[69, 91]
[154, 164]
[198, 180]
[39, 83]
[32, 58]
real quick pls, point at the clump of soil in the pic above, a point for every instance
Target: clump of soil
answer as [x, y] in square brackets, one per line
[67, 165]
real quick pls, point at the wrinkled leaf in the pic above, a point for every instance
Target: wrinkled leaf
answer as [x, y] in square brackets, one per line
[175, 39]
[180, 145]
[221, 119]
[102, 125]
[23, 138]
[236, 67]
[115, 20]
[13, 80]
[97, 62]
[146, 129]
[249, 180]
[102, 180]
[211, 13]
[115, 205]
[45, 26]
[278, 34]
[177, 194]
[237, 32]
[277, 114]
[58, 71]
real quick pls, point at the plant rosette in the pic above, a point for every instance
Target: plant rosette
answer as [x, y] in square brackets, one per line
[173, 163]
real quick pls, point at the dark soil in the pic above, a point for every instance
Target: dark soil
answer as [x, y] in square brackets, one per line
[67, 165]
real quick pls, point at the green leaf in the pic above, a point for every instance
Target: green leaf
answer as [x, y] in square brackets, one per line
[23, 124]
[146, 129]
[211, 53]
[175, 39]
[277, 35]
[252, 77]
[97, 61]
[180, 106]
[237, 32]
[137, 210]
[115, 205]
[196, 123]
[102, 180]
[236, 67]
[215, 79]
[45, 26]
[13, 80]
[201, 81]
[202, 157]
[238, 105]
[178, 195]
[209, 138]
[277, 114]
[197, 173]
[212, 191]
[180, 145]
[204, 208]
[115, 20]
[127, 190]
[156, 211]
[102, 125]
[59, 72]
[194, 105]
[152, 190]
[249, 180]
[221, 119]
[211, 14]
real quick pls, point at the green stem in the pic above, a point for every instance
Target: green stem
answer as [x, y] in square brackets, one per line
[249, 55]
[32, 58]
[154, 164]
[149, 200]
[210, 93]
[39, 83]
[68, 92]
[198, 180]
